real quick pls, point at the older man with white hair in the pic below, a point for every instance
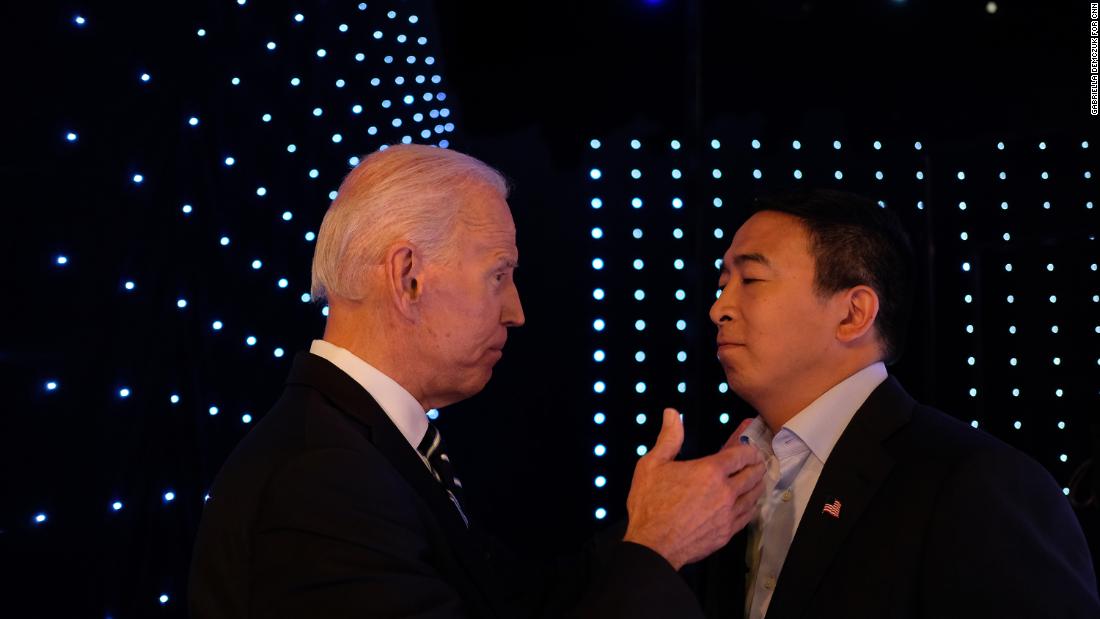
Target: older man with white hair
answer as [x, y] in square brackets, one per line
[342, 501]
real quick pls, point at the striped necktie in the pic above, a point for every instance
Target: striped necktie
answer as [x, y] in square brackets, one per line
[434, 451]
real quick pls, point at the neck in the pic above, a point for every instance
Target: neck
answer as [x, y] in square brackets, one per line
[375, 343]
[781, 405]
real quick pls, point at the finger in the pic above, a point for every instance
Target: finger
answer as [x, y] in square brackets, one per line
[743, 481]
[734, 458]
[671, 437]
[733, 439]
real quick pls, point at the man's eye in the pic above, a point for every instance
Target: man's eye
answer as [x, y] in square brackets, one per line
[748, 280]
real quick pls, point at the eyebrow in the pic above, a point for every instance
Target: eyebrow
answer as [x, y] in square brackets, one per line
[741, 259]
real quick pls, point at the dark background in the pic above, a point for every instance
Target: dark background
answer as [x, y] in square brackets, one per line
[528, 86]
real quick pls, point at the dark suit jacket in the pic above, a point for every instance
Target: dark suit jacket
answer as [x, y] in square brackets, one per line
[325, 510]
[936, 520]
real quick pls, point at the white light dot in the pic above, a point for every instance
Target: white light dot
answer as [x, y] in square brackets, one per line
[169, 496]
[599, 418]
[116, 506]
[601, 513]
[39, 518]
[600, 481]
[641, 450]
[599, 450]
[250, 340]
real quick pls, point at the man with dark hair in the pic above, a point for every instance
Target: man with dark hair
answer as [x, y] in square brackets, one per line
[874, 505]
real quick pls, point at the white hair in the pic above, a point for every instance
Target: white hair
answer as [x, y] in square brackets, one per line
[406, 191]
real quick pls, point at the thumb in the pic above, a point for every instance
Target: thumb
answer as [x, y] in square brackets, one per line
[671, 437]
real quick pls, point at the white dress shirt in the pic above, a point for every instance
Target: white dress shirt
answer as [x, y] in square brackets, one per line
[398, 404]
[795, 457]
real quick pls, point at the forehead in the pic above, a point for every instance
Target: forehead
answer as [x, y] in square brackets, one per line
[486, 221]
[779, 237]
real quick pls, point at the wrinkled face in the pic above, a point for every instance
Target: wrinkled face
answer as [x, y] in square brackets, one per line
[470, 300]
[773, 328]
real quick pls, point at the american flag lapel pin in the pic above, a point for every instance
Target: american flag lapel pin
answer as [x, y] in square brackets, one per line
[833, 509]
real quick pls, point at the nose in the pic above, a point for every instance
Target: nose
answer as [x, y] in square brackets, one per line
[722, 309]
[511, 314]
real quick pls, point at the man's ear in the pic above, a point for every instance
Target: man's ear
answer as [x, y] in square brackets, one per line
[404, 277]
[860, 305]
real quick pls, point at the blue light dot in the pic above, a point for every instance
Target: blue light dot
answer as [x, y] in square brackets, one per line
[877, 145]
[641, 450]
[681, 356]
[675, 144]
[601, 513]
[224, 241]
[250, 340]
[678, 264]
[343, 28]
[169, 496]
[283, 283]
[796, 145]
[236, 81]
[174, 399]
[636, 202]
[271, 45]
[230, 161]
[597, 264]
[680, 295]
[298, 17]
[217, 325]
[70, 136]
[717, 202]
[635, 144]
[599, 356]
[599, 450]
[756, 144]
[137, 178]
[246, 418]
[639, 356]
[314, 173]
[757, 174]
[639, 325]
[638, 264]
[636, 233]
[599, 418]
[294, 81]
[290, 148]
[639, 295]
[261, 191]
[635, 174]
[257, 264]
[321, 53]
[640, 419]
[598, 294]
[599, 386]
[597, 233]
[213, 410]
[598, 324]
[278, 353]
[724, 418]
[639, 387]
[681, 325]
[163, 599]
[305, 298]
[201, 32]
[600, 481]
[51, 385]
[116, 506]
[39, 518]
[676, 174]
[145, 77]
[181, 303]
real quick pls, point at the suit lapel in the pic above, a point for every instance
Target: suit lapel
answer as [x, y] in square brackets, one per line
[350, 397]
[856, 468]
[721, 586]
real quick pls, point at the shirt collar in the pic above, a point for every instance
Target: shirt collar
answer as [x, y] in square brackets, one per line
[820, 424]
[398, 404]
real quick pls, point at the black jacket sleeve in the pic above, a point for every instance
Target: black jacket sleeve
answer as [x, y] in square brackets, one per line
[1005, 543]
